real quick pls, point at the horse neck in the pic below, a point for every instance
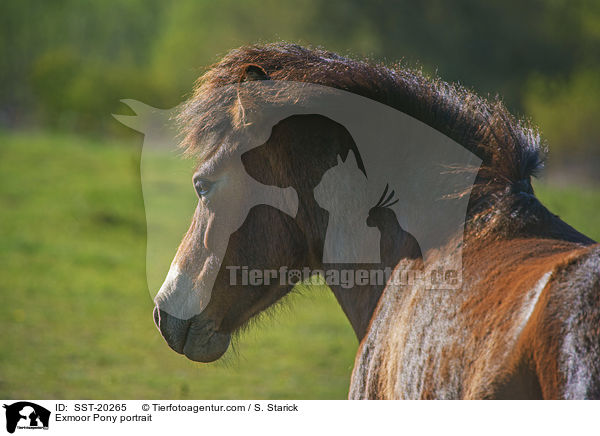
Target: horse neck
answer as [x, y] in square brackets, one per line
[312, 220]
[358, 303]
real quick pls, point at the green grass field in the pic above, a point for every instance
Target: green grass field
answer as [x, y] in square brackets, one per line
[76, 316]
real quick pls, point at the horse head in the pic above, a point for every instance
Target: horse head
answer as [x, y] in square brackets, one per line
[245, 224]
[257, 211]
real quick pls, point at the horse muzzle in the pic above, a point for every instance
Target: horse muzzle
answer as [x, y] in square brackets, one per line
[196, 337]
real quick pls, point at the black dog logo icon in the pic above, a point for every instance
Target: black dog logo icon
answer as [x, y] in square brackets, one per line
[26, 415]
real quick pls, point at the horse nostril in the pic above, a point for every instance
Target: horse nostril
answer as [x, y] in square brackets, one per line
[172, 329]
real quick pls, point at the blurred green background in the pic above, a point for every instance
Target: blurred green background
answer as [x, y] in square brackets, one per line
[76, 315]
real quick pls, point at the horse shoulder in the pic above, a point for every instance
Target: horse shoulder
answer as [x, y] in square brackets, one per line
[498, 337]
[563, 335]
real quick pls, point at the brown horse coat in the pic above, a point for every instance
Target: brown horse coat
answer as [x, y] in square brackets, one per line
[524, 325]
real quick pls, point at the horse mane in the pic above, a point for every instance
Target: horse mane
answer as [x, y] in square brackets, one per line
[510, 149]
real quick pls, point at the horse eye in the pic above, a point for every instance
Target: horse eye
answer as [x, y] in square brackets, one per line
[202, 186]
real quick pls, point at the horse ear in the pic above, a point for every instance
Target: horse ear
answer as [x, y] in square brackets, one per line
[252, 72]
[339, 160]
[249, 73]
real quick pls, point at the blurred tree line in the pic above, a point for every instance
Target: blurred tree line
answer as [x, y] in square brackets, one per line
[67, 63]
